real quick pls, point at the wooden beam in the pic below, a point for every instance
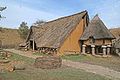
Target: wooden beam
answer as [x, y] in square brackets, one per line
[33, 45]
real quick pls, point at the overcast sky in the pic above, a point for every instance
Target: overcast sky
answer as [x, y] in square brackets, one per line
[32, 10]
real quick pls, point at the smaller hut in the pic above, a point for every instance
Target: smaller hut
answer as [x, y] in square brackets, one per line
[96, 38]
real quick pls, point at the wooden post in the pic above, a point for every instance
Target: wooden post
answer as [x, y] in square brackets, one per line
[117, 50]
[108, 49]
[93, 49]
[33, 45]
[83, 49]
[29, 45]
[104, 50]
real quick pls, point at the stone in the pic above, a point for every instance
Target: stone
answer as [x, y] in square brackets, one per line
[48, 62]
[104, 56]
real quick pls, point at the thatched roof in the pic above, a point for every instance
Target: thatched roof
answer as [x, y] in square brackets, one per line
[53, 33]
[96, 29]
[116, 43]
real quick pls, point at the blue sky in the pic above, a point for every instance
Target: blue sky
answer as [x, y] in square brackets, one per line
[32, 10]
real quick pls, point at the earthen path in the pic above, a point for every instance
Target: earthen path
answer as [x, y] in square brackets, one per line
[103, 71]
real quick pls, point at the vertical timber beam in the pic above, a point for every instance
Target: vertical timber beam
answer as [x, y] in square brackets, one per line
[108, 49]
[104, 50]
[83, 49]
[93, 49]
[33, 45]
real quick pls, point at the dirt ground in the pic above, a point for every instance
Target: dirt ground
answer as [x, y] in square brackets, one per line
[103, 71]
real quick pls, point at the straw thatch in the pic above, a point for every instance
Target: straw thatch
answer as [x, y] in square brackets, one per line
[116, 43]
[52, 34]
[97, 30]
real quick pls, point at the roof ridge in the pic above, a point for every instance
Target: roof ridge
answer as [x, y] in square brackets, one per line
[96, 17]
[56, 31]
[104, 25]
[97, 25]
[85, 11]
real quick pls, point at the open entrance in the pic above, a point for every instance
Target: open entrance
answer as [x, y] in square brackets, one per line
[98, 50]
[80, 44]
[33, 44]
[88, 49]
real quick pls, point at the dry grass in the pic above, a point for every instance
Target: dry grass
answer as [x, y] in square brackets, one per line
[10, 38]
[111, 62]
[32, 73]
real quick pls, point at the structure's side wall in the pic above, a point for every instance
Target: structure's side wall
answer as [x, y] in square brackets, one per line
[86, 42]
[71, 44]
[108, 41]
[98, 42]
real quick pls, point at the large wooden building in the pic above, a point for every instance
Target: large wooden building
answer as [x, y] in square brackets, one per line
[70, 34]
[60, 36]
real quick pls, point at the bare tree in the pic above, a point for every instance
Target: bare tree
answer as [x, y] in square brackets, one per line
[1, 9]
[39, 22]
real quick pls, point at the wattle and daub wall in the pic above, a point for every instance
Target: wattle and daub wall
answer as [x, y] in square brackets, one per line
[72, 44]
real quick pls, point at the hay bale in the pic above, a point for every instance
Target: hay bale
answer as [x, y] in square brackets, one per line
[48, 62]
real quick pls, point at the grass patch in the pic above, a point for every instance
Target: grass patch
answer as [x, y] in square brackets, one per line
[112, 62]
[40, 54]
[32, 73]
[22, 58]
[63, 73]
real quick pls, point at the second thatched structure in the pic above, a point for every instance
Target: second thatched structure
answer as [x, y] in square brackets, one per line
[96, 38]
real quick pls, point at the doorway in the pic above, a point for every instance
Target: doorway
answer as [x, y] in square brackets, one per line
[31, 45]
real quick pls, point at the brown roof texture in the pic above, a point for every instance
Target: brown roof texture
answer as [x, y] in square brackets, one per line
[96, 29]
[117, 43]
[53, 33]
